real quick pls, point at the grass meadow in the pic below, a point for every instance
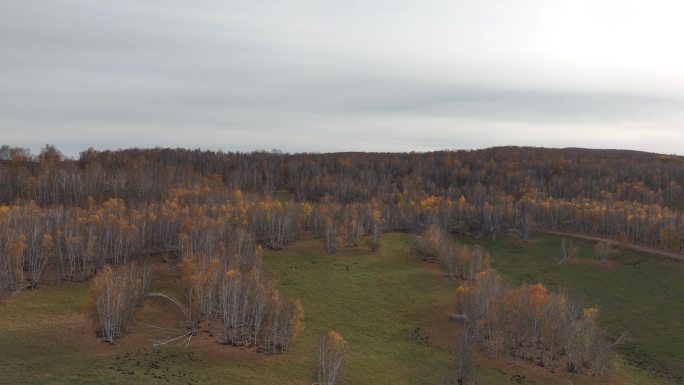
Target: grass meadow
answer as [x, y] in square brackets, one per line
[392, 310]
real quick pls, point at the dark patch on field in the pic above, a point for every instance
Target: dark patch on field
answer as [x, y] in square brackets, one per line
[635, 355]
[419, 336]
[159, 364]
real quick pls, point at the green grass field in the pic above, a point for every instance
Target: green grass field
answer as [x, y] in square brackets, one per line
[385, 305]
[391, 308]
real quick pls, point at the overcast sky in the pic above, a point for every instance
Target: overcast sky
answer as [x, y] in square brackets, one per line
[316, 75]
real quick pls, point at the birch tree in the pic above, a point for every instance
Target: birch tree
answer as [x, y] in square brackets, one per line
[332, 350]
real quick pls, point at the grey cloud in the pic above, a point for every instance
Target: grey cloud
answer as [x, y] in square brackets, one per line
[524, 105]
[252, 74]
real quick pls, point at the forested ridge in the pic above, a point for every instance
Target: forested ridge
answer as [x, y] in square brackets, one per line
[619, 194]
[71, 219]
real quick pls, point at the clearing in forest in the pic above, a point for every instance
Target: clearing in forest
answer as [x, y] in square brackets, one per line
[391, 308]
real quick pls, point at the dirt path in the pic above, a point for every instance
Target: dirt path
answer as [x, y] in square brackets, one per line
[612, 242]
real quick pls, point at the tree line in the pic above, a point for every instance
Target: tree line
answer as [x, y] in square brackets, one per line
[616, 194]
[72, 243]
[480, 175]
[518, 324]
